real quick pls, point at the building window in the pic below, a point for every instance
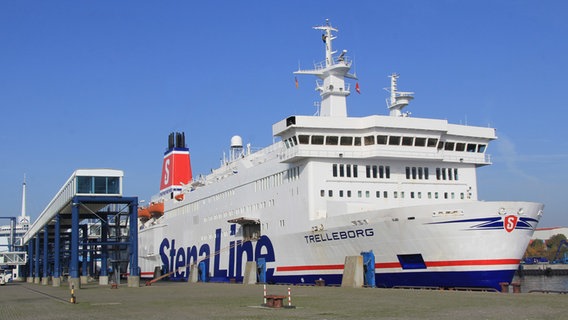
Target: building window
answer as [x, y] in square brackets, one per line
[330, 193]
[334, 170]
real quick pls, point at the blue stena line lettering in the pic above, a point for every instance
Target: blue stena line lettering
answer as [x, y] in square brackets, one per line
[339, 235]
[180, 259]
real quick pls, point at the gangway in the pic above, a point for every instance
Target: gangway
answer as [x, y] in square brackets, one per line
[12, 257]
[81, 227]
[15, 258]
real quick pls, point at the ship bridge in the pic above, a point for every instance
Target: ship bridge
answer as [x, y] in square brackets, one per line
[88, 222]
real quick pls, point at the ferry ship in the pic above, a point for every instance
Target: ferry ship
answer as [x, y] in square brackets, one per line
[332, 186]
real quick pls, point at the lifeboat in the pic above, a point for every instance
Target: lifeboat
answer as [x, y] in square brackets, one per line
[156, 209]
[143, 214]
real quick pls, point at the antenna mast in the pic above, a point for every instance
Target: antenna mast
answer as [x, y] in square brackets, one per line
[332, 73]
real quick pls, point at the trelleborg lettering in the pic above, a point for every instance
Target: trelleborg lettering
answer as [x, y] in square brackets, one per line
[180, 259]
[339, 235]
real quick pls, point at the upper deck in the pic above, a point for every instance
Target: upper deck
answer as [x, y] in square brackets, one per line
[384, 136]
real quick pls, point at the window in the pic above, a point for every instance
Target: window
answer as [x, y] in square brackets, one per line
[357, 141]
[355, 168]
[317, 140]
[346, 141]
[407, 172]
[330, 193]
[394, 141]
[426, 173]
[359, 194]
[432, 142]
[456, 173]
[471, 147]
[348, 170]
[407, 141]
[378, 194]
[381, 139]
[385, 194]
[331, 140]
[341, 193]
[460, 146]
[395, 194]
[420, 142]
[341, 170]
[369, 140]
[367, 194]
[414, 173]
[481, 148]
[304, 139]
[438, 174]
[322, 193]
[348, 193]
[449, 146]
[98, 185]
[334, 170]
[374, 171]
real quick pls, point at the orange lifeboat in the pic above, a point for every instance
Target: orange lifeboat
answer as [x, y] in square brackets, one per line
[156, 209]
[143, 214]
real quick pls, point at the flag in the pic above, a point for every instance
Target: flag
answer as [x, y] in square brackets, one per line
[357, 88]
[296, 80]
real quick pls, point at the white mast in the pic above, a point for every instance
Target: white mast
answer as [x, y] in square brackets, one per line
[24, 219]
[398, 100]
[333, 90]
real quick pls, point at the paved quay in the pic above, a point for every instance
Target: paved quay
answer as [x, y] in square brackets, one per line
[171, 300]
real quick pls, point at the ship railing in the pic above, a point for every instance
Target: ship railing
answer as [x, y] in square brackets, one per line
[346, 61]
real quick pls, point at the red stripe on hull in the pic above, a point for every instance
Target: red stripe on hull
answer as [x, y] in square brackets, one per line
[386, 265]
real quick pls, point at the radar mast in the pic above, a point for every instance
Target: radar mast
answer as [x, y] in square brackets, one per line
[332, 73]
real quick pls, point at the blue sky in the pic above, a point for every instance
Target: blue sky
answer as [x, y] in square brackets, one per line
[100, 84]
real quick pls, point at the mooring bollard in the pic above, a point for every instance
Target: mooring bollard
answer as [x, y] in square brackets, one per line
[504, 287]
[73, 299]
[516, 287]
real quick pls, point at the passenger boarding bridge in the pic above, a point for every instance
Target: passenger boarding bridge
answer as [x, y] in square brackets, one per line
[87, 229]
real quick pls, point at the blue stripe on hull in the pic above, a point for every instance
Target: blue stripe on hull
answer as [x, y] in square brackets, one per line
[448, 279]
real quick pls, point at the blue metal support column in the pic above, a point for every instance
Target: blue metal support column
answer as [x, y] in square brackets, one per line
[36, 261]
[74, 265]
[30, 261]
[134, 278]
[56, 252]
[84, 254]
[45, 275]
[103, 277]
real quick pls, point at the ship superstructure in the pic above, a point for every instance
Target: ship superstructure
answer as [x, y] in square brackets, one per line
[335, 186]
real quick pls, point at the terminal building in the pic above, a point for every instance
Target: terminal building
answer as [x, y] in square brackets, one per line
[88, 230]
